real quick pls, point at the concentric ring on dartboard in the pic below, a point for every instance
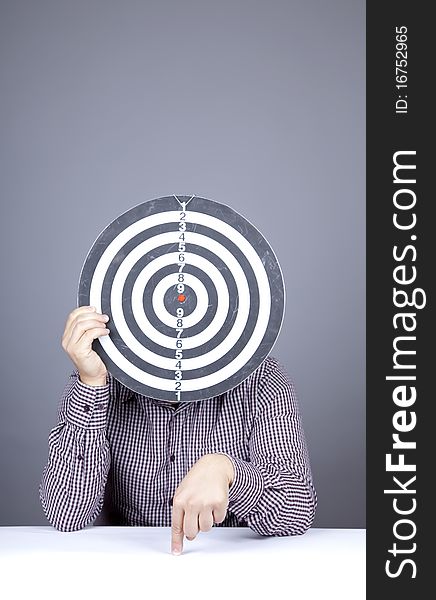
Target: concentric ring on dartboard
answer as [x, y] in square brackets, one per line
[141, 318]
[165, 341]
[170, 298]
[202, 325]
[153, 348]
[189, 300]
[197, 287]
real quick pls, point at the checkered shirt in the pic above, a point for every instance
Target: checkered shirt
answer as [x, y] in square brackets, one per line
[118, 456]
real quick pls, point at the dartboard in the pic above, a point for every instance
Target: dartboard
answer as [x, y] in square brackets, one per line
[194, 294]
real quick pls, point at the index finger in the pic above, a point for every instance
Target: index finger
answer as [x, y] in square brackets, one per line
[177, 530]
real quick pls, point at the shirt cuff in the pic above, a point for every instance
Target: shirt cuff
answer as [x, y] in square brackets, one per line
[87, 405]
[246, 489]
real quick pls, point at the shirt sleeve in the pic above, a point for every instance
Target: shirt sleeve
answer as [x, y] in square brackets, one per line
[273, 491]
[73, 480]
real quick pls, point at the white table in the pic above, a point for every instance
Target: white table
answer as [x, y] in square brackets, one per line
[135, 562]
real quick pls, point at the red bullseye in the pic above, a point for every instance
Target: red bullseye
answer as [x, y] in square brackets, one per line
[181, 297]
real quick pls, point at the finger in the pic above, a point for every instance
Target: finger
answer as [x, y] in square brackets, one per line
[205, 520]
[190, 523]
[219, 514]
[78, 311]
[95, 315]
[83, 317]
[177, 529]
[84, 347]
[92, 334]
[82, 327]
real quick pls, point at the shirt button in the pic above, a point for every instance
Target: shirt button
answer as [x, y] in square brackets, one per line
[86, 408]
[79, 457]
[172, 458]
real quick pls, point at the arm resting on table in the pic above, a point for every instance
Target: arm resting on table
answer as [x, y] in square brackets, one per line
[74, 478]
[274, 491]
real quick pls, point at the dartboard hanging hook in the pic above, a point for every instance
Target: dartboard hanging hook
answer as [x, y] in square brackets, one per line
[184, 204]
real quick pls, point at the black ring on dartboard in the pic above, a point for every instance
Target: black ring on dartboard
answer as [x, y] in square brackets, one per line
[259, 245]
[188, 305]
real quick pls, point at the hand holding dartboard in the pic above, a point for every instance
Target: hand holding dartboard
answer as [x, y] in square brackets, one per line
[83, 326]
[194, 295]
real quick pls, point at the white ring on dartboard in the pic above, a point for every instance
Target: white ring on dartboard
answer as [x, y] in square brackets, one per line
[158, 304]
[262, 318]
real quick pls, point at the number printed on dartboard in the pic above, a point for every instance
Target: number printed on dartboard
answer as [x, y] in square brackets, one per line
[181, 297]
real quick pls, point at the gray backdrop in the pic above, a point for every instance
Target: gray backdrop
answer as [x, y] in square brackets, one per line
[260, 105]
